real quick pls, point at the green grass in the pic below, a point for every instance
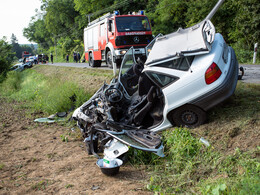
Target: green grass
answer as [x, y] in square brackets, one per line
[189, 166]
[40, 93]
[192, 168]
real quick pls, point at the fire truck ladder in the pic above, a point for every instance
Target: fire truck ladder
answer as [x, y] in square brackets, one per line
[108, 15]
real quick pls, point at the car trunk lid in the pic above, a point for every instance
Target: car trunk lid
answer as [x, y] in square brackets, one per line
[195, 40]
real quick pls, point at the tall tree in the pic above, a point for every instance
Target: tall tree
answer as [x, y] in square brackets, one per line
[16, 47]
[60, 17]
[36, 32]
[6, 55]
[247, 23]
[168, 15]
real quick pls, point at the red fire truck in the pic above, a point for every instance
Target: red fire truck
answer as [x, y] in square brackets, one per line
[110, 36]
[26, 54]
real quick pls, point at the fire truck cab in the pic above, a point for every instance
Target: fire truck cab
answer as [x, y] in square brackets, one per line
[109, 37]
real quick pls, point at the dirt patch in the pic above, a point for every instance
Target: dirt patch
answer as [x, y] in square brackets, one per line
[226, 138]
[234, 131]
[35, 160]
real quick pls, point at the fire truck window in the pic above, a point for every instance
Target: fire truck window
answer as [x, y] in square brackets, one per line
[102, 30]
[113, 26]
[133, 23]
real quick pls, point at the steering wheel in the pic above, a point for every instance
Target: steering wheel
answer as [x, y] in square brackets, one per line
[113, 95]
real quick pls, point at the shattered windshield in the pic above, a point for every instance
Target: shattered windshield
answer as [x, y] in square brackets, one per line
[132, 23]
[127, 76]
[128, 62]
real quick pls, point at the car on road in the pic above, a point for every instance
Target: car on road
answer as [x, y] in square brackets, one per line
[42, 58]
[31, 59]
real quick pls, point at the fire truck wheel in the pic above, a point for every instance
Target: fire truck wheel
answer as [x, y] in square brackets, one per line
[109, 59]
[93, 63]
[90, 60]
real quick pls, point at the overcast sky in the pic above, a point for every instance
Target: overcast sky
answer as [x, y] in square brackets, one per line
[15, 15]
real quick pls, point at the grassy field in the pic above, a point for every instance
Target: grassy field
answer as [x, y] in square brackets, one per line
[230, 165]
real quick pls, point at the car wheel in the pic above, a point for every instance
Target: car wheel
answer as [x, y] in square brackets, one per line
[189, 116]
[109, 59]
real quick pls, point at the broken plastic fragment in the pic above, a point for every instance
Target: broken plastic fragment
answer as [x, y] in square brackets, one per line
[205, 142]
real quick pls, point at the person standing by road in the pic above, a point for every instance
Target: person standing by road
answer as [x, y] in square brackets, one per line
[78, 57]
[47, 59]
[35, 60]
[51, 58]
[75, 56]
[67, 58]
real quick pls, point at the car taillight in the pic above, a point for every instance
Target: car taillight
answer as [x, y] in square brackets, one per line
[212, 73]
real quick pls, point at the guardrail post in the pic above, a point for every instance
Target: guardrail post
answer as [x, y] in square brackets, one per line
[255, 52]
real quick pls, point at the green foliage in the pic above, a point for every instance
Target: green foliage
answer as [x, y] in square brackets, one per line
[139, 157]
[238, 174]
[247, 23]
[190, 167]
[60, 17]
[42, 94]
[6, 57]
[64, 138]
[168, 15]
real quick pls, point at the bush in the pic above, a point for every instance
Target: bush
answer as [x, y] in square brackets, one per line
[245, 55]
[6, 58]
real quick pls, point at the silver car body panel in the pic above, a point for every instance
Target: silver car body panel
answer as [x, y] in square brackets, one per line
[195, 40]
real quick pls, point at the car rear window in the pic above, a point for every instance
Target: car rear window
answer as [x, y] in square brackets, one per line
[162, 80]
[182, 63]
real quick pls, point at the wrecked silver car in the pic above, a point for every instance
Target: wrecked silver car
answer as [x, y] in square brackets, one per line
[185, 74]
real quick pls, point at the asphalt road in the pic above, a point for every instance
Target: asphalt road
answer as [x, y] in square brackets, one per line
[77, 65]
[251, 72]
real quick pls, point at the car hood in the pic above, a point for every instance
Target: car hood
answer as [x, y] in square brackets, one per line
[194, 40]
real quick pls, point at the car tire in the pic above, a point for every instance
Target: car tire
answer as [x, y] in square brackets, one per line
[188, 116]
[109, 59]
